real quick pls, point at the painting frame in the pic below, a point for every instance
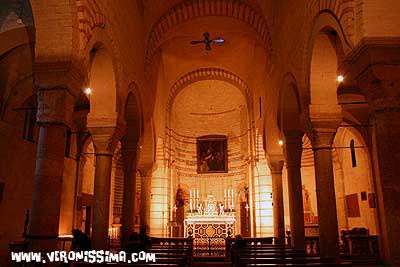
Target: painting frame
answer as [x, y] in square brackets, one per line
[212, 154]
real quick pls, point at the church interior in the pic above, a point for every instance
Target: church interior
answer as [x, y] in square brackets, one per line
[203, 122]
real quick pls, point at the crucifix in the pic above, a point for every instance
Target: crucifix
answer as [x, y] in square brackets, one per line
[207, 41]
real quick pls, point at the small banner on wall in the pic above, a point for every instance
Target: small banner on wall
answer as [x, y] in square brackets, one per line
[371, 200]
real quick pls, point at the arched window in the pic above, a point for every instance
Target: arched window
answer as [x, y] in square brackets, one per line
[353, 154]
[30, 127]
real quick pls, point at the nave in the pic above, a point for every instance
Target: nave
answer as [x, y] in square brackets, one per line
[202, 120]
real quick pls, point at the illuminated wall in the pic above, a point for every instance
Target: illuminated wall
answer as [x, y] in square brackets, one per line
[159, 198]
[262, 181]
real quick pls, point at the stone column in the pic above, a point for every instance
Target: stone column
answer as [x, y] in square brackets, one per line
[277, 198]
[293, 150]
[387, 138]
[383, 96]
[145, 195]
[104, 148]
[376, 70]
[129, 155]
[326, 199]
[55, 108]
[78, 199]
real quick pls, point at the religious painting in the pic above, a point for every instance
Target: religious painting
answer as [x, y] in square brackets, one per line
[212, 154]
[353, 209]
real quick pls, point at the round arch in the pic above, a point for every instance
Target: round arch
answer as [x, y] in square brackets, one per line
[102, 81]
[187, 10]
[210, 74]
[289, 108]
[133, 112]
[326, 47]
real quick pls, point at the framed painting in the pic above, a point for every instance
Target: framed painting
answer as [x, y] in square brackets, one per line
[353, 209]
[212, 155]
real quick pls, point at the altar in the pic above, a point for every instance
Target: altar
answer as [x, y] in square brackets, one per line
[209, 226]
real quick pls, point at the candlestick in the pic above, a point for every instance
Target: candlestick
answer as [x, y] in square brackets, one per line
[233, 199]
[225, 201]
[196, 201]
[229, 199]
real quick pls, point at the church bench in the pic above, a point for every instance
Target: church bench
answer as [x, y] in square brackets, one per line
[182, 256]
[243, 261]
[85, 264]
[263, 257]
[250, 241]
[250, 252]
[271, 254]
[163, 259]
[298, 264]
[173, 242]
[184, 253]
[269, 249]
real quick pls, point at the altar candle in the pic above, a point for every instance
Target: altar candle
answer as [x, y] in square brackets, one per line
[195, 198]
[233, 202]
[190, 194]
[230, 198]
[225, 197]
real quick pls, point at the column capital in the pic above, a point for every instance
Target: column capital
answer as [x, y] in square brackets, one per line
[64, 74]
[276, 164]
[293, 148]
[323, 138]
[293, 137]
[325, 116]
[129, 144]
[324, 125]
[146, 169]
[381, 87]
[55, 106]
[104, 139]
[374, 67]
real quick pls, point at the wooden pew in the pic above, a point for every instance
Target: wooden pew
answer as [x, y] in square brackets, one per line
[299, 264]
[177, 245]
[85, 264]
[173, 242]
[258, 253]
[250, 241]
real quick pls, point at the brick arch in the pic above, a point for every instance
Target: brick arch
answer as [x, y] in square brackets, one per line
[324, 22]
[289, 105]
[133, 113]
[187, 10]
[50, 33]
[106, 39]
[342, 9]
[90, 16]
[210, 74]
